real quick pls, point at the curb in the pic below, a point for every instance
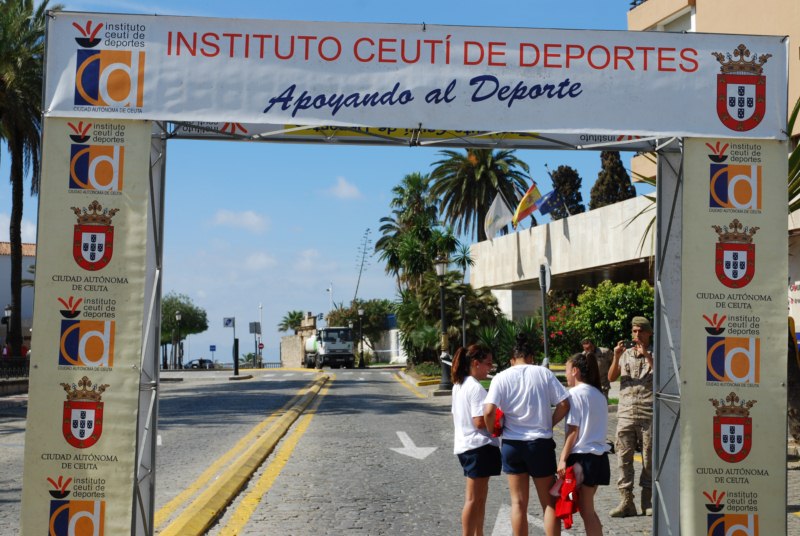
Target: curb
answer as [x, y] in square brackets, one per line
[425, 383]
[201, 514]
[241, 377]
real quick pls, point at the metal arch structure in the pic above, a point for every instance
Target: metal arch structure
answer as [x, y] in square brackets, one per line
[666, 376]
[171, 118]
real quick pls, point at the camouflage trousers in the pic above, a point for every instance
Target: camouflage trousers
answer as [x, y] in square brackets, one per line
[631, 432]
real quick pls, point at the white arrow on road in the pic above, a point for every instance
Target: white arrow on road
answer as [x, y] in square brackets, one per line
[410, 449]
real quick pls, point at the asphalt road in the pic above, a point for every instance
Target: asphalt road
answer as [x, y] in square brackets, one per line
[371, 455]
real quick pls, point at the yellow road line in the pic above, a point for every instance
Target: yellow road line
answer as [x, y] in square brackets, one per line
[166, 511]
[408, 386]
[250, 502]
[204, 510]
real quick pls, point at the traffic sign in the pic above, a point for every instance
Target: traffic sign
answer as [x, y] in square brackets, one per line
[212, 348]
[261, 346]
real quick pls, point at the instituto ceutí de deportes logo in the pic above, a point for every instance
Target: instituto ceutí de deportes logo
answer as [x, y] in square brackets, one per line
[733, 359]
[82, 417]
[86, 343]
[736, 186]
[107, 78]
[73, 518]
[735, 256]
[94, 167]
[93, 237]
[732, 524]
[741, 89]
[733, 428]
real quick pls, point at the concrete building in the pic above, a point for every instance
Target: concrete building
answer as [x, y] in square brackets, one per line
[609, 243]
[28, 260]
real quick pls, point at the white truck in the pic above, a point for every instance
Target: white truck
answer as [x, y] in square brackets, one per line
[332, 346]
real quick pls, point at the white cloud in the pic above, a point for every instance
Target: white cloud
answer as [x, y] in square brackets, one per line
[259, 261]
[344, 190]
[307, 260]
[248, 220]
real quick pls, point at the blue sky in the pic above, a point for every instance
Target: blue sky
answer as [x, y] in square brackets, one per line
[276, 224]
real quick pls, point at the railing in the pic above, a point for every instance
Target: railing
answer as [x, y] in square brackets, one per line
[14, 367]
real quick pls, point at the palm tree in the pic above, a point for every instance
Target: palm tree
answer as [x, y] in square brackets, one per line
[463, 259]
[291, 320]
[22, 28]
[410, 225]
[465, 185]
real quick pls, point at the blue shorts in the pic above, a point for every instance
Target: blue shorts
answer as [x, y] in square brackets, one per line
[537, 457]
[481, 462]
[596, 469]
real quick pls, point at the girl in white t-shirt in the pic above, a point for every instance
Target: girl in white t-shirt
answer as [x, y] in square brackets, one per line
[476, 449]
[585, 442]
[533, 401]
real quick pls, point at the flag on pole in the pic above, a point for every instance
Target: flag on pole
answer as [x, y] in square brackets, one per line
[499, 216]
[548, 202]
[526, 205]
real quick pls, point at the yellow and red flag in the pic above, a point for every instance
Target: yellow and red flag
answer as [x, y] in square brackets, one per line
[526, 205]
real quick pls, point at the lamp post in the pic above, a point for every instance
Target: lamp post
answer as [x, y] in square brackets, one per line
[441, 270]
[178, 356]
[7, 321]
[361, 363]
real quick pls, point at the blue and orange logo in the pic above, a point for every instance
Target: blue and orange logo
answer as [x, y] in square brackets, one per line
[109, 78]
[87, 343]
[733, 359]
[113, 78]
[735, 186]
[96, 167]
[70, 518]
[732, 524]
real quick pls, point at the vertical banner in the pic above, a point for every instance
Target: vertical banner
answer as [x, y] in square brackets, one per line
[80, 444]
[733, 317]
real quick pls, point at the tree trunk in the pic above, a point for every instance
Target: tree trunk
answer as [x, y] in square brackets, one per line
[15, 239]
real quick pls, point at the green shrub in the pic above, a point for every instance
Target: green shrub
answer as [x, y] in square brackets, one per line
[604, 313]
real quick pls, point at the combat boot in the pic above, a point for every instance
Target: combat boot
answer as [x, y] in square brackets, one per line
[626, 507]
[647, 503]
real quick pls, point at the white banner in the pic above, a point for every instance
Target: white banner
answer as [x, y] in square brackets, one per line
[415, 76]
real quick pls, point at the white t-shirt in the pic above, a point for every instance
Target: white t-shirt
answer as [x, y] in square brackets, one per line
[588, 410]
[526, 394]
[468, 403]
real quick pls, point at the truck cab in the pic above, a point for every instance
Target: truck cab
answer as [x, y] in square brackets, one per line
[330, 346]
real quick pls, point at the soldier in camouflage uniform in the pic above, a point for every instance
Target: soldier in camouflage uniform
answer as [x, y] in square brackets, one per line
[603, 357]
[634, 367]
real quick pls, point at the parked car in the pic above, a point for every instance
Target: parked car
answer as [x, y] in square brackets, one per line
[199, 364]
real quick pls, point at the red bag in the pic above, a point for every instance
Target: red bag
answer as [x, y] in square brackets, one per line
[498, 423]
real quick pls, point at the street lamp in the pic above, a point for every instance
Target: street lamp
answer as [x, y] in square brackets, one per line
[441, 265]
[178, 356]
[361, 363]
[7, 321]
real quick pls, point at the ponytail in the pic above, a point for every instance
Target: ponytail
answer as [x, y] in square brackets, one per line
[587, 365]
[462, 361]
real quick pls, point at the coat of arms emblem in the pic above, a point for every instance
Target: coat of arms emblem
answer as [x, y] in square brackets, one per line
[93, 238]
[82, 422]
[741, 89]
[735, 263]
[733, 428]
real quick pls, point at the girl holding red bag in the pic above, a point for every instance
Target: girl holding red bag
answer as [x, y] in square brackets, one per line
[474, 445]
[585, 441]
